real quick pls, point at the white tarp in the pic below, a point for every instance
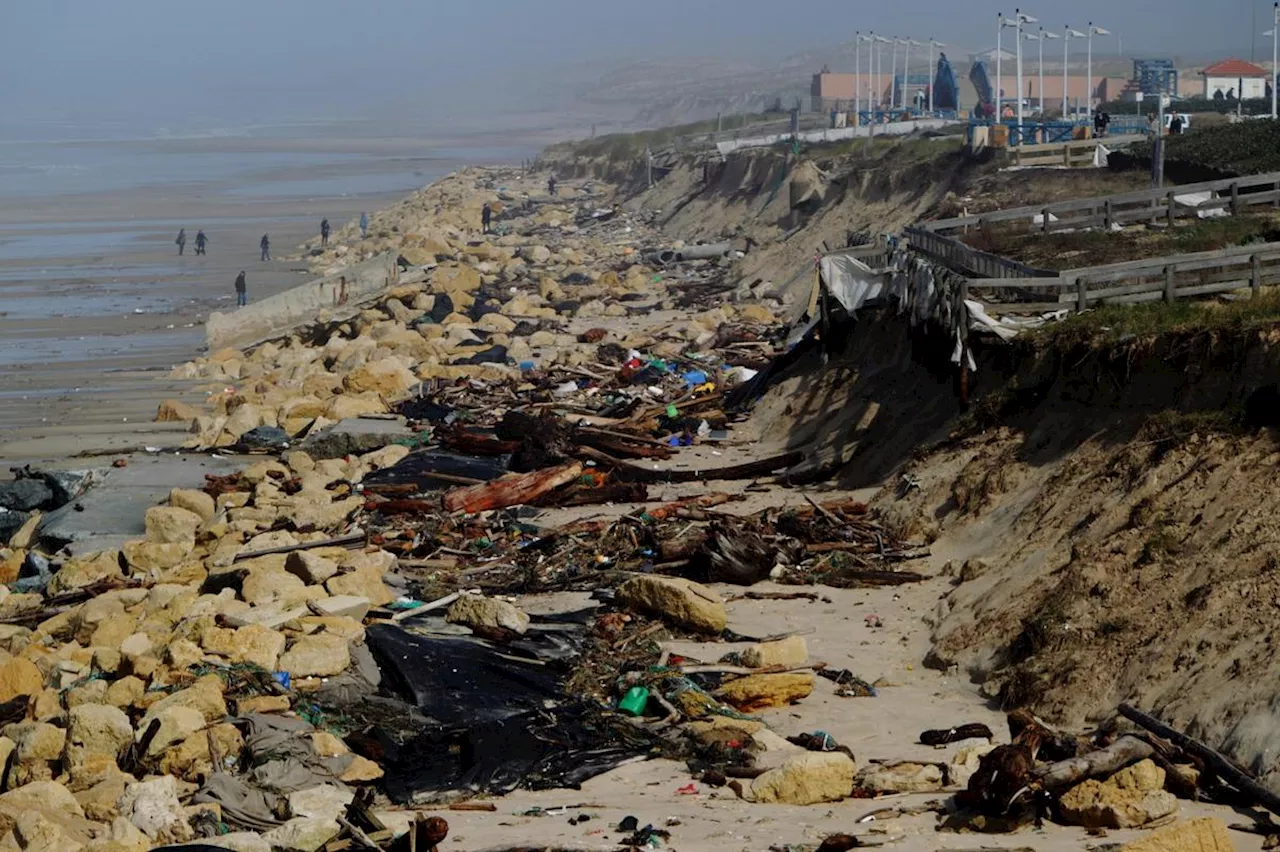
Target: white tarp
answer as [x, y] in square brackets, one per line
[1195, 199]
[850, 281]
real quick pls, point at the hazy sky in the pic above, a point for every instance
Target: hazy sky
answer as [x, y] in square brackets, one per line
[241, 61]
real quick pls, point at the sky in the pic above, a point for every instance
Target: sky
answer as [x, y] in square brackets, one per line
[236, 62]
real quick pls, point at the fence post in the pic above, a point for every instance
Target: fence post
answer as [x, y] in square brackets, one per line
[1106, 216]
[1172, 213]
[1275, 197]
[1082, 295]
[1045, 224]
[1066, 155]
[1235, 198]
[1255, 276]
[1168, 283]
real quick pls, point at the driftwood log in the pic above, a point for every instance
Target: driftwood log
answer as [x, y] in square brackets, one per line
[1057, 777]
[1219, 764]
[511, 490]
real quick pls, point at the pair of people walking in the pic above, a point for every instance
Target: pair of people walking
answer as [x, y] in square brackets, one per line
[181, 241]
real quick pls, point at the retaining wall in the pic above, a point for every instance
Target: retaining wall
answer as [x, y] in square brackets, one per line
[328, 298]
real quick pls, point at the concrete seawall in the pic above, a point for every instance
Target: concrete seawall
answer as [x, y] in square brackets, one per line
[328, 298]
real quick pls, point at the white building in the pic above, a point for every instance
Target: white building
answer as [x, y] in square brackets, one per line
[1235, 78]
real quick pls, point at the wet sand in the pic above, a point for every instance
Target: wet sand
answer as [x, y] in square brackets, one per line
[96, 306]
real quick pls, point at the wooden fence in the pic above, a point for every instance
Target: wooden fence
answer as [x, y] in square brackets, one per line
[1155, 279]
[968, 260]
[1153, 206]
[1076, 154]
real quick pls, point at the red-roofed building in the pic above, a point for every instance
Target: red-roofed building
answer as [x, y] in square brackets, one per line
[1235, 78]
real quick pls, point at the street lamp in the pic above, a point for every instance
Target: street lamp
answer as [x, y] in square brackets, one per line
[1019, 20]
[893, 74]
[1036, 37]
[1044, 36]
[906, 70]
[1093, 31]
[1274, 33]
[858, 38]
[880, 40]
[1066, 44]
[933, 74]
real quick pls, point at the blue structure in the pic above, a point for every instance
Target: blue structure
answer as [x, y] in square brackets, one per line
[986, 107]
[946, 91]
[1156, 76]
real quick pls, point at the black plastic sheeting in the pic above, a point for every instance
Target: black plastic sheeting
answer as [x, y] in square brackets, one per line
[458, 680]
[413, 468]
[499, 721]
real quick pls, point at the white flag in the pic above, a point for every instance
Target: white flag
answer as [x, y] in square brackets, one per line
[1101, 31]
[1027, 19]
[1074, 34]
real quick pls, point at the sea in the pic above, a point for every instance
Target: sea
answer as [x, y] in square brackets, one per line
[90, 280]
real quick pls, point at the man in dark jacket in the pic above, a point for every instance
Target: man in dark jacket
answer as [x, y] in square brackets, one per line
[265, 245]
[181, 240]
[242, 298]
[201, 239]
[324, 233]
[486, 216]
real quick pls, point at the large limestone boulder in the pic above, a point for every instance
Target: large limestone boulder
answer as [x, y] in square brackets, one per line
[196, 502]
[19, 676]
[479, 611]
[388, 377]
[171, 525]
[86, 571]
[757, 692]
[316, 656]
[674, 599]
[903, 777]
[98, 729]
[176, 411]
[788, 653]
[806, 779]
[1131, 798]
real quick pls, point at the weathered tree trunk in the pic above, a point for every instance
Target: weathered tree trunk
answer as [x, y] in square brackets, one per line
[1065, 774]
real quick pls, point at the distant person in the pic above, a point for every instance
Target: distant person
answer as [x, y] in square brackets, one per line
[551, 185]
[486, 216]
[364, 224]
[1153, 124]
[1176, 124]
[324, 233]
[242, 297]
[181, 241]
[265, 245]
[201, 241]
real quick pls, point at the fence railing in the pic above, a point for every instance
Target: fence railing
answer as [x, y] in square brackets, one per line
[1151, 280]
[1153, 206]
[968, 260]
[1074, 154]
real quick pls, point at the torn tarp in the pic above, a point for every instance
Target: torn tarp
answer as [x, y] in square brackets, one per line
[850, 281]
[504, 721]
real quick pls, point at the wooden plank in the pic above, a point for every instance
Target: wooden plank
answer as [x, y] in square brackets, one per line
[1012, 283]
[1182, 292]
[1267, 251]
[1001, 308]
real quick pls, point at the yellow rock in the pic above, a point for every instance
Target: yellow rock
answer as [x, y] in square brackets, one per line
[791, 652]
[806, 779]
[756, 692]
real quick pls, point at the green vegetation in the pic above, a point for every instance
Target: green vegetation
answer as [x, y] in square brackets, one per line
[1194, 106]
[1073, 249]
[1111, 322]
[627, 146]
[1247, 148]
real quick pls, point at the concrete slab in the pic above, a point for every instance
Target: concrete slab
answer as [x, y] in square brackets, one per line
[355, 436]
[112, 512]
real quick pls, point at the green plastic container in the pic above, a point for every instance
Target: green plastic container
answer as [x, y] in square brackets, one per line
[634, 702]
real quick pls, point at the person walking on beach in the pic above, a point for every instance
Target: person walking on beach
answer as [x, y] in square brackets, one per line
[551, 185]
[486, 216]
[364, 225]
[324, 233]
[242, 298]
[265, 245]
[201, 240]
[181, 240]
